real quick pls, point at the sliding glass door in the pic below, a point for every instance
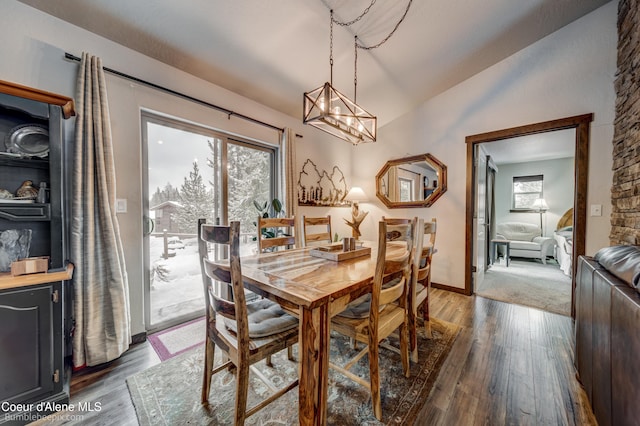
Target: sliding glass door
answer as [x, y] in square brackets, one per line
[194, 172]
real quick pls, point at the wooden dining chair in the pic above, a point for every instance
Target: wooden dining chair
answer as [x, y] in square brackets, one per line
[424, 244]
[421, 280]
[275, 233]
[311, 226]
[373, 317]
[246, 333]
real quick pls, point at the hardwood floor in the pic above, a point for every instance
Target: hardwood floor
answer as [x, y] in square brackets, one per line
[509, 365]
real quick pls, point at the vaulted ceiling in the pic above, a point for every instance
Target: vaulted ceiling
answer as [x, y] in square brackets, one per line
[272, 51]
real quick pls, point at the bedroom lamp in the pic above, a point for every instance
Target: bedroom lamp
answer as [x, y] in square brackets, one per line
[541, 206]
[356, 195]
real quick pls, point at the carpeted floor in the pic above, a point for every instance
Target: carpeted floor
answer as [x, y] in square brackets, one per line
[169, 393]
[529, 283]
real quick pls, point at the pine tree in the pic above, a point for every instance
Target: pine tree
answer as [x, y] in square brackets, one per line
[249, 171]
[196, 201]
[168, 193]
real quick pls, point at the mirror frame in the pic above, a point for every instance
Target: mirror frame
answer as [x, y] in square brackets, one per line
[437, 193]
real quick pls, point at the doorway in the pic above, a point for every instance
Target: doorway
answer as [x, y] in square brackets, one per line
[474, 228]
[528, 185]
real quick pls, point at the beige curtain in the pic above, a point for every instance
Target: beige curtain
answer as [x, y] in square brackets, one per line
[101, 306]
[289, 178]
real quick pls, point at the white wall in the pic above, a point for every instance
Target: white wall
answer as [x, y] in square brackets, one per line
[557, 190]
[568, 73]
[32, 52]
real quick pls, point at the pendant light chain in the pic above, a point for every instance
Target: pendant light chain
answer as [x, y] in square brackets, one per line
[375, 46]
[353, 21]
[331, 48]
[347, 24]
[360, 46]
[355, 71]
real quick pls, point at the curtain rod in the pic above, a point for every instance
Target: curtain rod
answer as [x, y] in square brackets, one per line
[229, 113]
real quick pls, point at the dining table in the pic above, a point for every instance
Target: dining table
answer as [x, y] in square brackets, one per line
[314, 289]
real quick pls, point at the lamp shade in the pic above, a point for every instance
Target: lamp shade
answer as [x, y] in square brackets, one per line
[540, 204]
[356, 194]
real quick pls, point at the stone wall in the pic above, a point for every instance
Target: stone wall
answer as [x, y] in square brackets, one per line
[625, 192]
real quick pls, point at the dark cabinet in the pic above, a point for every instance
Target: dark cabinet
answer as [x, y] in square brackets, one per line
[35, 321]
[31, 338]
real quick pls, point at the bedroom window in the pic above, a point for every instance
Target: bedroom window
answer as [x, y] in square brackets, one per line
[526, 190]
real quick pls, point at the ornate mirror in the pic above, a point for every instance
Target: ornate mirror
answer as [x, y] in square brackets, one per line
[416, 181]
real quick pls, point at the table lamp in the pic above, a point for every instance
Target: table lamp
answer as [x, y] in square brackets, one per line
[356, 195]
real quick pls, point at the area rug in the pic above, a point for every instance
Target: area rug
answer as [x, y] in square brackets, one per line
[179, 339]
[528, 283]
[169, 393]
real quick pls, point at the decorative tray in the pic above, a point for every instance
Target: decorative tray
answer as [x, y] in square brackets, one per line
[334, 252]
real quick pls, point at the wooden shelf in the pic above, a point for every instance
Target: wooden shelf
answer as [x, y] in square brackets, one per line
[8, 281]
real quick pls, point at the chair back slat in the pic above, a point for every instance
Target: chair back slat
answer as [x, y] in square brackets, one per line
[398, 263]
[218, 272]
[280, 227]
[277, 242]
[423, 273]
[223, 307]
[391, 294]
[217, 234]
[397, 228]
[311, 224]
[396, 220]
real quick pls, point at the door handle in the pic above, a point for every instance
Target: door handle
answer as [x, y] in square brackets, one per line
[149, 226]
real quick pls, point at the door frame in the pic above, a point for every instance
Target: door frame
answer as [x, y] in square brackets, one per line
[226, 139]
[581, 167]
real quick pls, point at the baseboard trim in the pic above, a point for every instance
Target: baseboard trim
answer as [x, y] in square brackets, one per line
[139, 338]
[449, 288]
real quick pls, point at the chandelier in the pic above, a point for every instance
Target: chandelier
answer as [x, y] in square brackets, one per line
[331, 111]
